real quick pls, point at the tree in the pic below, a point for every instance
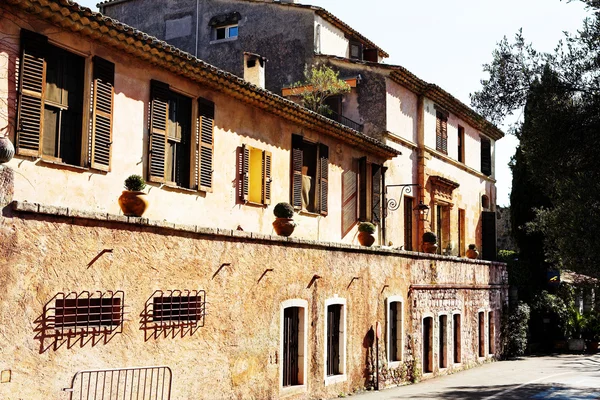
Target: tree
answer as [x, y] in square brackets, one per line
[559, 139]
[319, 84]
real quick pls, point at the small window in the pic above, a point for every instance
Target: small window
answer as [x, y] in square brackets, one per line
[394, 335]
[441, 132]
[428, 344]
[491, 333]
[88, 314]
[254, 170]
[485, 202]
[486, 156]
[225, 32]
[461, 144]
[481, 333]
[356, 50]
[177, 309]
[443, 341]
[310, 165]
[370, 184]
[335, 340]
[408, 223]
[457, 339]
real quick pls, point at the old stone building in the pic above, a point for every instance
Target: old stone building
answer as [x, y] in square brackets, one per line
[198, 299]
[448, 150]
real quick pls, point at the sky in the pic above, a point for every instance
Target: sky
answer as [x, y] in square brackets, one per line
[446, 42]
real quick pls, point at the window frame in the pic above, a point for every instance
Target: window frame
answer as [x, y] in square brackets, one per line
[443, 347]
[321, 176]
[370, 201]
[397, 361]
[227, 29]
[342, 376]
[457, 347]
[302, 346]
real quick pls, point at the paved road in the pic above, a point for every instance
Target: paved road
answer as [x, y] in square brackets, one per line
[561, 377]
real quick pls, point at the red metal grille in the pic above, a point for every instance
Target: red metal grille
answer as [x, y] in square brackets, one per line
[167, 310]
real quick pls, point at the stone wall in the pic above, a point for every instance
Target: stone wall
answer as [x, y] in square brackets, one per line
[236, 354]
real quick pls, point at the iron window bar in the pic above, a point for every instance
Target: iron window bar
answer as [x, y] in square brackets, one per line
[86, 313]
[152, 383]
[178, 308]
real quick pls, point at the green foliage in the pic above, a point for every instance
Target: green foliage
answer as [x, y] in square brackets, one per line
[366, 227]
[559, 146]
[591, 330]
[135, 183]
[576, 324]
[283, 210]
[515, 330]
[549, 306]
[429, 237]
[319, 84]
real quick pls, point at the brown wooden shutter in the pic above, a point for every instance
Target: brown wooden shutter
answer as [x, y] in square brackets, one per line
[266, 178]
[323, 178]
[297, 162]
[444, 135]
[441, 132]
[32, 84]
[348, 201]
[243, 171]
[102, 111]
[206, 110]
[486, 156]
[376, 174]
[362, 189]
[488, 235]
[159, 119]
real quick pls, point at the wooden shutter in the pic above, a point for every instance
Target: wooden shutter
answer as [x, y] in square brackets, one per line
[488, 235]
[206, 110]
[297, 162]
[362, 189]
[32, 84]
[323, 178]
[159, 119]
[445, 136]
[102, 112]
[266, 178]
[349, 190]
[441, 132]
[486, 156]
[376, 174]
[243, 171]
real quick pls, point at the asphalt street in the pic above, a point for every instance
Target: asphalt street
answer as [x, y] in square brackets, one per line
[560, 377]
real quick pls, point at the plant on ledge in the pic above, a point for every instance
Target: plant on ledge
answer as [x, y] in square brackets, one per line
[366, 234]
[429, 242]
[284, 224]
[133, 201]
[472, 253]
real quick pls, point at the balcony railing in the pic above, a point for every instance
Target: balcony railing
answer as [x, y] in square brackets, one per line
[344, 121]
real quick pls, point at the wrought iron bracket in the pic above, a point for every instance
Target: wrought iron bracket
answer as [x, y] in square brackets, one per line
[393, 204]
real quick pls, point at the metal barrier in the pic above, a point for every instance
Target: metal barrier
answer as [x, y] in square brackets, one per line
[140, 383]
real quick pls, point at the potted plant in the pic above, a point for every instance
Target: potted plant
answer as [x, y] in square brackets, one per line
[576, 326]
[591, 333]
[133, 201]
[429, 242]
[284, 224]
[366, 231]
[472, 253]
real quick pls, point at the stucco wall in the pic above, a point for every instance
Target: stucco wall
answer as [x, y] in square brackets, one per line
[401, 111]
[235, 124]
[234, 354]
[333, 41]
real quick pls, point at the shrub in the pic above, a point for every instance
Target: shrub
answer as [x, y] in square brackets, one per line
[472, 247]
[429, 237]
[366, 227]
[283, 210]
[135, 183]
[592, 326]
[514, 333]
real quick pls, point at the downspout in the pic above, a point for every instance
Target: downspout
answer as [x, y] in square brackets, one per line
[197, 28]
[420, 164]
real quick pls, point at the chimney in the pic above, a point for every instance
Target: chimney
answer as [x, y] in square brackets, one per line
[254, 69]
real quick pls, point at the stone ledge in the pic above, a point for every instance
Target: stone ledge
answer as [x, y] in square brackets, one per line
[62, 212]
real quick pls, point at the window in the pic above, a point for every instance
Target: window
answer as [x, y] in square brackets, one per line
[335, 340]
[371, 178]
[87, 313]
[428, 344]
[178, 309]
[491, 333]
[441, 132]
[310, 173]
[395, 345]
[225, 32]
[442, 227]
[254, 170]
[176, 156]
[461, 144]
[52, 102]
[456, 329]
[481, 333]
[443, 341]
[486, 156]
[356, 50]
[461, 232]
[408, 223]
[293, 343]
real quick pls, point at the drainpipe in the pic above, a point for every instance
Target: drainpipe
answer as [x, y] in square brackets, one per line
[197, 28]
[421, 161]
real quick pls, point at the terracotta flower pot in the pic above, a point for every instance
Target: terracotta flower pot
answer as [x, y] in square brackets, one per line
[429, 247]
[472, 254]
[7, 150]
[284, 226]
[133, 204]
[366, 239]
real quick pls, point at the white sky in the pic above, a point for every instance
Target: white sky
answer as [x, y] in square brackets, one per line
[446, 41]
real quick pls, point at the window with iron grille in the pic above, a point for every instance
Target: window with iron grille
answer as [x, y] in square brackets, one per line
[291, 322]
[456, 329]
[179, 308]
[51, 122]
[394, 325]
[333, 339]
[441, 132]
[88, 313]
